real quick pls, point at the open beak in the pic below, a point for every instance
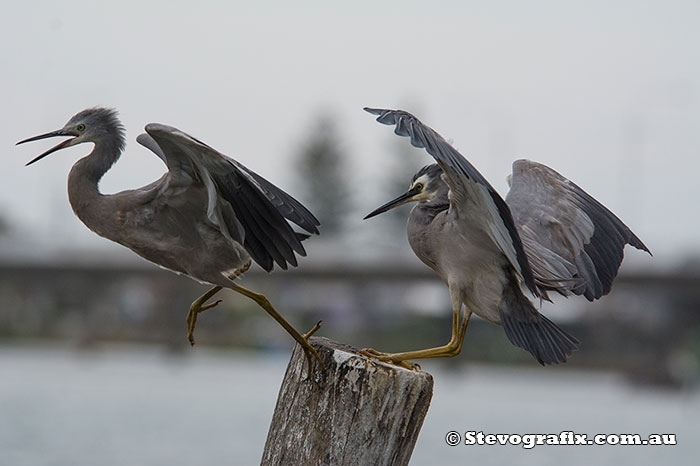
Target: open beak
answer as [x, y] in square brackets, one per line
[62, 145]
[408, 196]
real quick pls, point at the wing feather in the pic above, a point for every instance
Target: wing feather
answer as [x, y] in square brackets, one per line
[466, 184]
[259, 207]
[562, 225]
[289, 207]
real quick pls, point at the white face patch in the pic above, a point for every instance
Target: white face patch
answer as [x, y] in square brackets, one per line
[423, 179]
[423, 195]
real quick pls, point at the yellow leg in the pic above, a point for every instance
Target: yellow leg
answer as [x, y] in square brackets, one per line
[452, 348]
[313, 330]
[463, 330]
[263, 302]
[197, 307]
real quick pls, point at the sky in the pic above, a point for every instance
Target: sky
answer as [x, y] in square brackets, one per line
[607, 93]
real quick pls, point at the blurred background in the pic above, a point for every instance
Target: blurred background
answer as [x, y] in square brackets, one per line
[96, 366]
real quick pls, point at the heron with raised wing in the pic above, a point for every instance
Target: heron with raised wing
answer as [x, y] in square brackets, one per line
[207, 218]
[547, 236]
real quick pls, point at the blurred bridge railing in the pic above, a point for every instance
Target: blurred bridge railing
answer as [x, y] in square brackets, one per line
[649, 326]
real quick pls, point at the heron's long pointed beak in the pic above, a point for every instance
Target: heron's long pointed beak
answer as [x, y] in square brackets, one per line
[62, 145]
[408, 196]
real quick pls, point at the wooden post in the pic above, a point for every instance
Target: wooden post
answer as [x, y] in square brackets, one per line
[357, 411]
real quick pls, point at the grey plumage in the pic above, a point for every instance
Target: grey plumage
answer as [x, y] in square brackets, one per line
[205, 218]
[244, 206]
[548, 235]
[205, 199]
[529, 329]
[574, 243]
[465, 181]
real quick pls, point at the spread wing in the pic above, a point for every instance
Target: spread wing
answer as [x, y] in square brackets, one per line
[472, 198]
[574, 243]
[259, 207]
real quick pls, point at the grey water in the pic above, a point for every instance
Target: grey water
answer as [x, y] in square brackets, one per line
[140, 405]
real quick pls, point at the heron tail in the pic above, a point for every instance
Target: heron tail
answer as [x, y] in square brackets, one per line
[528, 329]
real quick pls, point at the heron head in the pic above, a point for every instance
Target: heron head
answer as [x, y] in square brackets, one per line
[90, 125]
[425, 186]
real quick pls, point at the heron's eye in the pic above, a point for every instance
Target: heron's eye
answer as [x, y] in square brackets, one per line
[418, 186]
[80, 127]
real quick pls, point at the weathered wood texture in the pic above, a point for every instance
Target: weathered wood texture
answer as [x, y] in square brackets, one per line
[356, 412]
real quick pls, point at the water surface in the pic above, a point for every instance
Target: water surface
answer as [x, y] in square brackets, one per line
[142, 406]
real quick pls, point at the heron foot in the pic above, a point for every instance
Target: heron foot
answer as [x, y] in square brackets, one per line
[197, 307]
[451, 349]
[390, 358]
[310, 351]
[313, 330]
[192, 319]
[264, 303]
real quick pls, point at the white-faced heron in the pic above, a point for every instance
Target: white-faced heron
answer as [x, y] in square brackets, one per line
[548, 235]
[206, 218]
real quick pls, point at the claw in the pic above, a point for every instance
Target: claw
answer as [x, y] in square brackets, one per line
[197, 307]
[313, 330]
[302, 340]
[371, 353]
[309, 350]
[388, 357]
[209, 306]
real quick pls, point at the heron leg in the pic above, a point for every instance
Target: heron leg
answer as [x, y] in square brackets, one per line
[264, 303]
[197, 307]
[452, 348]
[463, 329]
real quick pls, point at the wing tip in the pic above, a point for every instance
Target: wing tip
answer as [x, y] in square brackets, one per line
[637, 243]
[144, 139]
[159, 128]
[374, 110]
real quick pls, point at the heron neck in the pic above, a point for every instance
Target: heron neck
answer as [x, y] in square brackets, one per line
[83, 184]
[423, 213]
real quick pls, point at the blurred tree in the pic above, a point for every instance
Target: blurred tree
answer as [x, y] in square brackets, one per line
[323, 176]
[4, 226]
